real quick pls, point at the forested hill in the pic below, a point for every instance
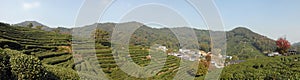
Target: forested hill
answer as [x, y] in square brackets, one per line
[246, 43]
[34, 24]
[240, 41]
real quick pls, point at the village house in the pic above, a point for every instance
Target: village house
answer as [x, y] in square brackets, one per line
[163, 48]
[274, 54]
[234, 62]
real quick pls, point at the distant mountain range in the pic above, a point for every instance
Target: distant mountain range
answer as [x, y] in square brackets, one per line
[44, 27]
[240, 41]
[35, 24]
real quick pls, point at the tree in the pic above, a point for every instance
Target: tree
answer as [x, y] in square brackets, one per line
[283, 45]
[39, 27]
[56, 30]
[30, 25]
[234, 57]
[100, 36]
[199, 69]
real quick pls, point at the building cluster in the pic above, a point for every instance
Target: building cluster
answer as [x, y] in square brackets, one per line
[196, 55]
[187, 54]
[290, 52]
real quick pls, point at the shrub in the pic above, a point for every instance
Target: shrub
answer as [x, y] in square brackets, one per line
[27, 67]
[4, 66]
[62, 73]
[10, 44]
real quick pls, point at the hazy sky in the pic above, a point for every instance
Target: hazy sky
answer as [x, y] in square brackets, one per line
[272, 18]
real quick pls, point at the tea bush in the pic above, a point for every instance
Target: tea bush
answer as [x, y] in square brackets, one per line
[27, 67]
[4, 66]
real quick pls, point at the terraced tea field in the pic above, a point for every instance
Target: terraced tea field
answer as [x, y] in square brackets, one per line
[47, 46]
[55, 49]
[111, 69]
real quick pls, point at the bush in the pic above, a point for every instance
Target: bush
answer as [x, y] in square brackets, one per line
[10, 44]
[27, 67]
[4, 66]
[62, 73]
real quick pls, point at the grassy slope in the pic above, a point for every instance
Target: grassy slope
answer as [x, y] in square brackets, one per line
[279, 67]
[42, 44]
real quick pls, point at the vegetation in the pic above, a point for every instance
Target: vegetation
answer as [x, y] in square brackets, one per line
[268, 68]
[4, 65]
[33, 54]
[243, 42]
[27, 67]
[39, 27]
[283, 45]
[101, 36]
[30, 25]
[36, 49]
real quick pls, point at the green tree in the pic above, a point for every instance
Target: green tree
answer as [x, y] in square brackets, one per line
[27, 67]
[100, 36]
[56, 30]
[234, 57]
[39, 27]
[4, 66]
[199, 69]
[30, 25]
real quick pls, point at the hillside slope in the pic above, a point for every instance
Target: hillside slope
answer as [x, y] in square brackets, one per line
[269, 68]
[246, 43]
[242, 41]
[35, 24]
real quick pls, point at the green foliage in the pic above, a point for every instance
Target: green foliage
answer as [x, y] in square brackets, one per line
[30, 25]
[246, 44]
[202, 69]
[100, 36]
[241, 42]
[3, 24]
[62, 73]
[280, 67]
[10, 44]
[56, 30]
[35, 43]
[39, 27]
[234, 57]
[27, 67]
[4, 66]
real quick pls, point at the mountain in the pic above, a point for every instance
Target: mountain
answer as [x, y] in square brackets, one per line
[63, 30]
[35, 24]
[54, 49]
[246, 43]
[296, 46]
[240, 41]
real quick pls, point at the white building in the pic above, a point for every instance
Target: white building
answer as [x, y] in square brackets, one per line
[274, 54]
[184, 50]
[163, 48]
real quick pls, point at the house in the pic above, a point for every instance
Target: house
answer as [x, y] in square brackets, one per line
[163, 48]
[234, 62]
[274, 54]
[229, 57]
[292, 52]
[203, 53]
[184, 50]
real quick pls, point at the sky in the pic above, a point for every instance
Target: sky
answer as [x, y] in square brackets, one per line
[272, 18]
